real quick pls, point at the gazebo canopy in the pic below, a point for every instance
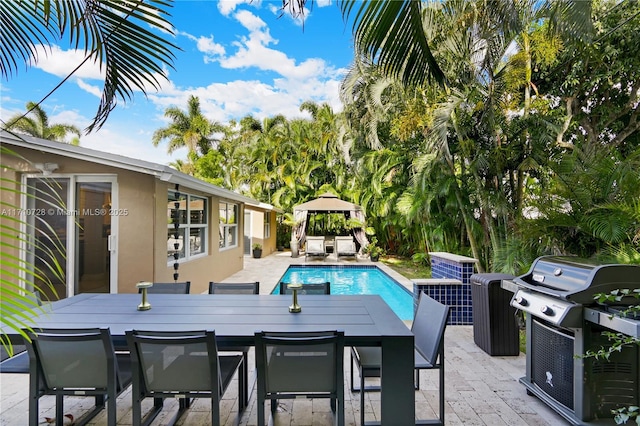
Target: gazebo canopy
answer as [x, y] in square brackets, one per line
[327, 203]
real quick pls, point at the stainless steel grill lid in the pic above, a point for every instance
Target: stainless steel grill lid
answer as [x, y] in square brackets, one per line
[577, 279]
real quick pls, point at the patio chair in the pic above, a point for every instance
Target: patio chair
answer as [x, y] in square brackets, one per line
[78, 362]
[238, 288]
[428, 328]
[169, 288]
[170, 364]
[345, 247]
[234, 288]
[300, 364]
[315, 248]
[307, 288]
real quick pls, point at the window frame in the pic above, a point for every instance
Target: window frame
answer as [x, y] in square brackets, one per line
[226, 227]
[267, 225]
[187, 227]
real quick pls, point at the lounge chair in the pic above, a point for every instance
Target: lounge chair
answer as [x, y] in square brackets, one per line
[345, 247]
[315, 247]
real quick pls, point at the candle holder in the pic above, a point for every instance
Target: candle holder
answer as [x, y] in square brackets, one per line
[145, 305]
[295, 308]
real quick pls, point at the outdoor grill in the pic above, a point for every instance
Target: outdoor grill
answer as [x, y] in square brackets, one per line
[563, 322]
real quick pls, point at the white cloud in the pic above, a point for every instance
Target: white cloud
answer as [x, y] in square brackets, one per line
[208, 46]
[226, 7]
[62, 62]
[250, 21]
[94, 90]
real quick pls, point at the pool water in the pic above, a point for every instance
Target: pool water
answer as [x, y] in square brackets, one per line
[355, 280]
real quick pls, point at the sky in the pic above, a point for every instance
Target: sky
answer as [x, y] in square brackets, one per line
[238, 57]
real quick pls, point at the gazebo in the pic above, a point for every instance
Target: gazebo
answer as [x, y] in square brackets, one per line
[326, 203]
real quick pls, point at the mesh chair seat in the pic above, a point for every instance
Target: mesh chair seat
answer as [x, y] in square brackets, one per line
[300, 364]
[180, 364]
[234, 288]
[169, 288]
[79, 362]
[307, 288]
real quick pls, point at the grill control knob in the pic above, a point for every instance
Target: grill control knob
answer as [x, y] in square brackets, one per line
[522, 301]
[547, 311]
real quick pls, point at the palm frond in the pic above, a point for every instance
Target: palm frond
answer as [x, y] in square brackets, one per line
[127, 38]
[391, 34]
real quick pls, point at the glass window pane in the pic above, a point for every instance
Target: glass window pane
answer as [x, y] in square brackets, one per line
[196, 241]
[197, 210]
[232, 239]
[222, 235]
[232, 215]
[175, 244]
[171, 207]
[223, 212]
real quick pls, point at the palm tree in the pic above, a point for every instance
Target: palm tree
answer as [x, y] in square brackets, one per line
[190, 129]
[39, 126]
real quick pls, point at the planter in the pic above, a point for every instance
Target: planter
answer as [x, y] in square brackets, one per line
[374, 258]
[257, 253]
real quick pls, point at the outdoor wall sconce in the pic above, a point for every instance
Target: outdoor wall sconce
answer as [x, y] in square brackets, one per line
[295, 308]
[46, 168]
[145, 305]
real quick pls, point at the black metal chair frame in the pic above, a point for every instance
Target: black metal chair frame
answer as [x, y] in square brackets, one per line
[295, 343]
[238, 288]
[221, 371]
[307, 288]
[74, 362]
[428, 328]
[169, 288]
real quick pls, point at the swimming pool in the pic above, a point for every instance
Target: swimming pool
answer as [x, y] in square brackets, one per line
[355, 280]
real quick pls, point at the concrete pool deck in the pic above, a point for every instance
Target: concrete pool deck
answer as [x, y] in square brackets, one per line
[480, 389]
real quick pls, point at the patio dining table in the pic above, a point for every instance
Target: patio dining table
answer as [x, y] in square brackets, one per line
[365, 319]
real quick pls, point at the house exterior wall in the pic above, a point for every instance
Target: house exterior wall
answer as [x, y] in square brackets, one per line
[257, 230]
[142, 231]
[215, 266]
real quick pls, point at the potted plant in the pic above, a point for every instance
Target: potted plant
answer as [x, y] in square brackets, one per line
[257, 251]
[373, 250]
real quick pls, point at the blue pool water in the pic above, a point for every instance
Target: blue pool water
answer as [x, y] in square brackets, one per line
[355, 280]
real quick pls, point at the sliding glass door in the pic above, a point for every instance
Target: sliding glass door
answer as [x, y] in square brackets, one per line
[72, 231]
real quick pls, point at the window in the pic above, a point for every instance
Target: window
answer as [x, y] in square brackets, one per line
[228, 225]
[267, 225]
[191, 213]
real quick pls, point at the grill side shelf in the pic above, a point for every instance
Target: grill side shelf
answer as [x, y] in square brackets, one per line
[627, 326]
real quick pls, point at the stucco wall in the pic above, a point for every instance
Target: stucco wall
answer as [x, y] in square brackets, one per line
[215, 266]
